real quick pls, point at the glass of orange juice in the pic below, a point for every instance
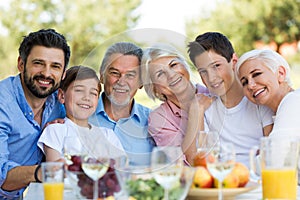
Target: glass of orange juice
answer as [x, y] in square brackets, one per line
[277, 163]
[279, 183]
[53, 180]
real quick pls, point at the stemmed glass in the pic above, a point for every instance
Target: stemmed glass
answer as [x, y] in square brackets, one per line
[94, 167]
[166, 166]
[220, 157]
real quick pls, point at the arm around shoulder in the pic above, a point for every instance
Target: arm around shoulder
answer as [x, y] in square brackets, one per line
[195, 124]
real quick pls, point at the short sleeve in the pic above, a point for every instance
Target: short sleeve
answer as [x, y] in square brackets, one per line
[53, 136]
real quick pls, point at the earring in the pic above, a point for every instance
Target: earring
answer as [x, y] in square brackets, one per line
[160, 96]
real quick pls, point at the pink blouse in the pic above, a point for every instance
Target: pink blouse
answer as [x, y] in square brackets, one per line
[167, 123]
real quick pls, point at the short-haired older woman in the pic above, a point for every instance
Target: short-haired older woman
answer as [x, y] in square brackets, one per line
[166, 76]
[265, 76]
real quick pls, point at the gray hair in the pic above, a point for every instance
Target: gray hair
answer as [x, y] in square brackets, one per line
[124, 48]
[271, 59]
[153, 53]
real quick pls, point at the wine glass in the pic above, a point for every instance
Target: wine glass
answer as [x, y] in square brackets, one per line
[220, 157]
[166, 166]
[94, 167]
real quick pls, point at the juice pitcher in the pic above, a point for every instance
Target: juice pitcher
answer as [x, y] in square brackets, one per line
[276, 162]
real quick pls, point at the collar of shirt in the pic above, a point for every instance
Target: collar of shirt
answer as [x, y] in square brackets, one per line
[176, 110]
[20, 96]
[135, 112]
[26, 108]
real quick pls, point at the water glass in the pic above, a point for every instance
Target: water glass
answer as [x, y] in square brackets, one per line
[53, 180]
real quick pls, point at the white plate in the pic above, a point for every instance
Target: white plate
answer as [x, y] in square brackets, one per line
[212, 193]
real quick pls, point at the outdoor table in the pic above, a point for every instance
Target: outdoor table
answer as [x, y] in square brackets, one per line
[35, 192]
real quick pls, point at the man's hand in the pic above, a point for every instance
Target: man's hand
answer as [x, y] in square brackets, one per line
[59, 120]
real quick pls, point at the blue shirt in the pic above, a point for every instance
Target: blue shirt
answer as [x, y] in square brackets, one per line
[19, 132]
[132, 131]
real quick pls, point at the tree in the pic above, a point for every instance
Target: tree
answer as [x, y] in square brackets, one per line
[245, 22]
[86, 24]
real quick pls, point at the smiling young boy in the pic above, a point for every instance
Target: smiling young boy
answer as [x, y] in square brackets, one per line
[79, 92]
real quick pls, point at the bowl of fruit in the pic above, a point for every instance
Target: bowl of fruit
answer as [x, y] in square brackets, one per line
[83, 185]
[205, 186]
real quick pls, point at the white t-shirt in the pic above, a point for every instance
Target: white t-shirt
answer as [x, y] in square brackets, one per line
[287, 120]
[241, 125]
[99, 140]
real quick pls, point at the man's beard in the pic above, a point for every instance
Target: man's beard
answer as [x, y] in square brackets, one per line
[116, 102]
[40, 92]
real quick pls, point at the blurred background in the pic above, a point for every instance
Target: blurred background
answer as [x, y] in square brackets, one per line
[90, 26]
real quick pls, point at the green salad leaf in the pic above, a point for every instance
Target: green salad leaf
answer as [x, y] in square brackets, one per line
[149, 189]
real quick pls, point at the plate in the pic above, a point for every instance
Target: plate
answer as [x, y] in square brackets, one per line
[212, 193]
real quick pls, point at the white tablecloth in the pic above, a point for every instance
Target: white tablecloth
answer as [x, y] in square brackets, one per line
[35, 192]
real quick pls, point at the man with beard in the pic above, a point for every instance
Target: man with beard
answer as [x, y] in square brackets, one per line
[117, 109]
[27, 102]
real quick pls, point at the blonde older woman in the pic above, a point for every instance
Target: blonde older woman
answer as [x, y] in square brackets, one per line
[265, 76]
[166, 76]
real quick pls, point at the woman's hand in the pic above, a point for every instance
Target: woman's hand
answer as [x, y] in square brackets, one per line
[205, 101]
[201, 102]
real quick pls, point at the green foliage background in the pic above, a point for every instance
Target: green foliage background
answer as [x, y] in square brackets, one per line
[91, 26]
[86, 24]
[248, 21]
